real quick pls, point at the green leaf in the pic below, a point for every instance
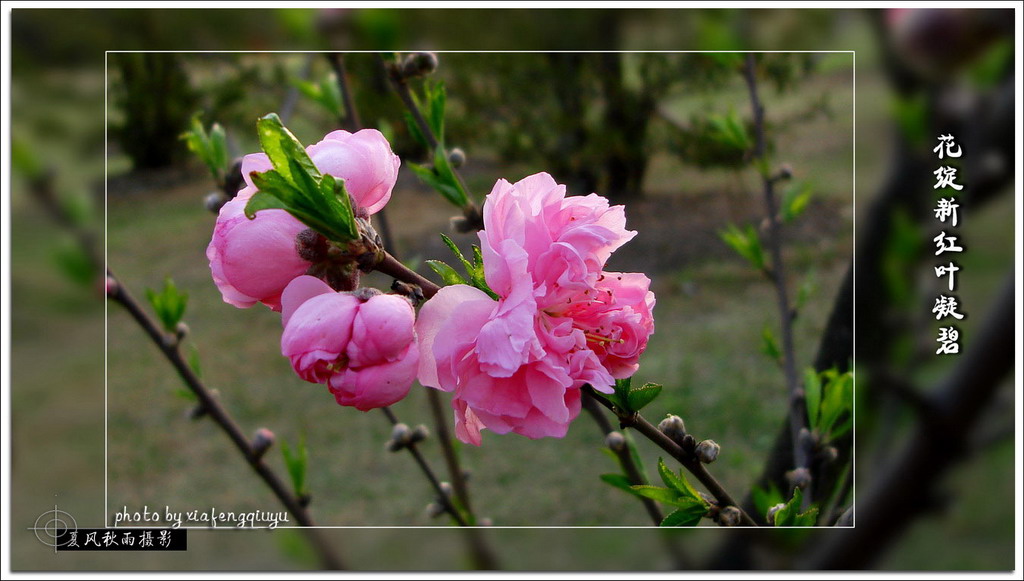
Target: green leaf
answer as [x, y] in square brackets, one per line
[437, 97]
[446, 175]
[730, 131]
[687, 516]
[24, 160]
[414, 130]
[168, 304]
[837, 399]
[766, 498]
[218, 149]
[193, 361]
[429, 176]
[447, 273]
[340, 205]
[74, 262]
[730, 60]
[665, 495]
[296, 463]
[812, 396]
[634, 452]
[745, 242]
[283, 149]
[769, 345]
[670, 478]
[639, 397]
[790, 515]
[795, 200]
[619, 481]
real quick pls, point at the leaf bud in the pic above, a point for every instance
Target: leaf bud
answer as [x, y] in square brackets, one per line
[799, 478]
[214, 201]
[457, 157]
[401, 433]
[434, 510]
[707, 451]
[729, 516]
[446, 489]
[181, 330]
[418, 64]
[262, 441]
[673, 427]
[419, 434]
[770, 516]
[615, 441]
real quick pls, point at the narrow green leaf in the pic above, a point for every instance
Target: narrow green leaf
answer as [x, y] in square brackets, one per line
[447, 273]
[634, 453]
[639, 397]
[168, 304]
[670, 478]
[339, 205]
[769, 345]
[218, 150]
[331, 98]
[666, 495]
[437, 95]
[446, 175]
[458, 253]
[745, 242]
[414, 130]
[281, 146]
[74, 262]
[807, 519]
[766, 498]
[296, 462]
[687, 516]
[263, 200]
[429, 176]
[795, 200]
[837, 399]
[619, 481]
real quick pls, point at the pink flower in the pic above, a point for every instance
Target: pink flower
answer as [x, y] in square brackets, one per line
[253, 260]
[364, 349]
[516, 364]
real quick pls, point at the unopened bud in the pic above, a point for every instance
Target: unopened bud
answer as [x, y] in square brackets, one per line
[770, 517]
[457, 157]
[214, 201]
[111, 286]
[785, 172]
[615, 441]
[806, 439]
[413, 292]
[729, 516]
[198, 411]
[419, 434]
[418, 64]
[689, 443]
[485, 522]
[181, 330]
[446, 489]
[434, 509]
[393, 445]
[401, 433]
[707, 451]
[673, 427]
[799, 478]
[262, 441]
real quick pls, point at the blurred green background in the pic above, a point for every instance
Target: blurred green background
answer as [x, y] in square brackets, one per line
[710, 314]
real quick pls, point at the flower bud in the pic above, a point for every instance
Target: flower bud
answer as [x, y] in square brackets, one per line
[446, 489]
[615, 441]
[485, 522]
[418, 64]
[181, 330]
[707, 451]
[111, 286]
[829, 454]
[419, 434]
[673, 427]
[262, 441]
[456, 157]
[393, 445]
[401, 433]
[434, 510]
[729, 516]
[770, 516]
[688, 444]
[799, 478]
[214, 201]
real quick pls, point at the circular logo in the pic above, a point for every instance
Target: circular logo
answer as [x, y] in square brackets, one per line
[51, 524]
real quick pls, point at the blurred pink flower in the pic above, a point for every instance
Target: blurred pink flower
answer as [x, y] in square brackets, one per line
[253, 260]
[516, 364]
[364, 349]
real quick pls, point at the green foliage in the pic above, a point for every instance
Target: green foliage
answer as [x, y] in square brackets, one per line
[295, 185]
[73, 261]
[789, 515]
[766, 498]
[440, 176]
[168, 304]
[730, 131]
[911, 115]
[619, 481]
[993, 65]
[678, 492]
[324, 92]
[795, 200]
[746, 243]
[24, 160]
[829, 399]
[474, 270]
[770, 345]
[194, 362]
[631, 399]
[211, 148]
[296, 462]
[903, 246]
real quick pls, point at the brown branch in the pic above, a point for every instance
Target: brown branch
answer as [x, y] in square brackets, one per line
[168, 345]
[689, 461]
[801, 452]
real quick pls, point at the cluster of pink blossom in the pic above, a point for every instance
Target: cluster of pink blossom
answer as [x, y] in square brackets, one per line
[515, 364]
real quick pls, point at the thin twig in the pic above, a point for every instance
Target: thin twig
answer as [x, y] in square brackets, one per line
[689, 461]
[168, 345]
[801, 453]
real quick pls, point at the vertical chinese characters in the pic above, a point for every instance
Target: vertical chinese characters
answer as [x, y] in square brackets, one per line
[946, 211]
